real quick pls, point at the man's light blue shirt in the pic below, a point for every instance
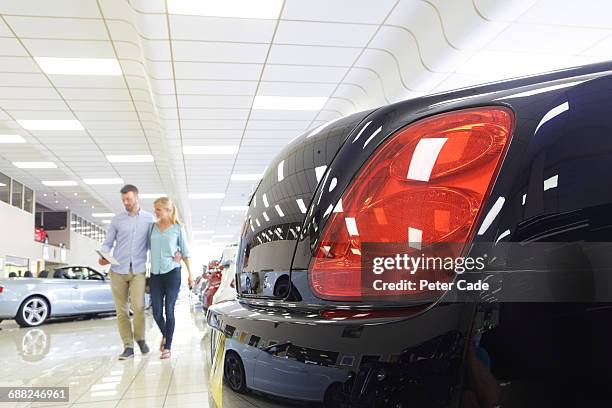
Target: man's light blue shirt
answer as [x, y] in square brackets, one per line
[163, 247]
[128, 234]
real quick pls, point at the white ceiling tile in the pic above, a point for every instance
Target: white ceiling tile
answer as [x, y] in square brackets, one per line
[18, 65]
[107, 106]
[347, 11]
[57, 8]
[601, 49]
[32, 104]
[42, 115]
[190, 124]
[310, 55]
[295, 89]
[544, 39]
[203, 70]
[60, 28]
[292, 125]
[221, 29]
[586, 13]
[156, 49]
[303, 73]
[152, 26]
[28, 93]
[196, 101]
[87, 81]
[194, 87]
[219, 52]
[215, 114]
[69, 48]
[308, 33]
[282, 115]
[11, 47]
[93, 94]
[149, 6]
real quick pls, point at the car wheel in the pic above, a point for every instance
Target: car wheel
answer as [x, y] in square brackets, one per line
[233, 371]
[34, 311]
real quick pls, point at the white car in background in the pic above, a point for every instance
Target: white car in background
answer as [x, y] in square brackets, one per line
[227, 288]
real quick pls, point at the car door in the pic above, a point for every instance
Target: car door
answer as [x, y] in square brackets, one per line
[91, 292]
[99, 294]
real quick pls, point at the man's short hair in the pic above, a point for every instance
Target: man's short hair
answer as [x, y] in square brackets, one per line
[129, 188]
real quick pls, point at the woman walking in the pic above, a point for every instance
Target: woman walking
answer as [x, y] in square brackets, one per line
[167, 236]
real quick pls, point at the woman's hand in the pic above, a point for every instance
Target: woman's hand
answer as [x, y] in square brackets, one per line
[177, 257]
[190, 281]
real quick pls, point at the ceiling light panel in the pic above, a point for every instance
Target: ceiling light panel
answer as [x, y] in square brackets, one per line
[6, 139]
[79, 66]
[47, 124]
[35, 165]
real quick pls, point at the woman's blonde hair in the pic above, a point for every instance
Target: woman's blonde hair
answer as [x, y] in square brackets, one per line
[167, 203]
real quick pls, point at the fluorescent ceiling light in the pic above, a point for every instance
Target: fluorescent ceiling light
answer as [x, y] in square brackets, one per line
[35, 165]
[60, 183]
[235, 208]
[299, 103]
[302, 206]
[206, 196]
[50, 124]
[2, 185]
[11, 139]
[151, 195]
[222, 236]
[79, 66]
[204, 232]
[106, 221]
[280, 170]
[103, 215]
[246, 177]
[279, 210]
[264, 9]
[212, 150]
[100, 181]
[129, 158]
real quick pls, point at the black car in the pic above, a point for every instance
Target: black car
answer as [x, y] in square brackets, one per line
[516, 175]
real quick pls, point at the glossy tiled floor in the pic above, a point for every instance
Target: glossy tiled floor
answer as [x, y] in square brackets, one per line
[82, 355]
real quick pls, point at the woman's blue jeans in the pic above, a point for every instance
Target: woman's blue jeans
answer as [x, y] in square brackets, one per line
[164, 291]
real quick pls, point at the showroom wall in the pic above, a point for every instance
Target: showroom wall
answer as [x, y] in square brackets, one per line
[17, 240]
[17, 234]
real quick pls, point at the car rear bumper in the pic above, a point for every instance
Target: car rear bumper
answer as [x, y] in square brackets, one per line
[359, 343]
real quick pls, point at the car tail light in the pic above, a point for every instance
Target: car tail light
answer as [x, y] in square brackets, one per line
[1, 288]
[425, 185]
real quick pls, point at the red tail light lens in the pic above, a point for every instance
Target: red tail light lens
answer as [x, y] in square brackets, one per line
[426, 184]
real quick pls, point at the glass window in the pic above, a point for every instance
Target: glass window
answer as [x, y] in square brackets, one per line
[17, 199]
[28, 199]
[5, 188]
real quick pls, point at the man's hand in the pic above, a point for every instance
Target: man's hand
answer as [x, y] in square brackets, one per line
[177, 257]
[103, 262]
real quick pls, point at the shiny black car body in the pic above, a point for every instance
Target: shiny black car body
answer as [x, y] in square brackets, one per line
[510, 350]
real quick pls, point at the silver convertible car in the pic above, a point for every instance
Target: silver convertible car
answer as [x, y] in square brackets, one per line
[72, 290]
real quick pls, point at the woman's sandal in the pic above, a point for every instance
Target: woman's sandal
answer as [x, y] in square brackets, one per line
[165, 355]
[162, 345]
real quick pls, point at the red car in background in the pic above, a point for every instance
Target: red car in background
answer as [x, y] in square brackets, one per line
[211, 285]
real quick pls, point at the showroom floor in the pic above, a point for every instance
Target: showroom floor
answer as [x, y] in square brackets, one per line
[82, 354]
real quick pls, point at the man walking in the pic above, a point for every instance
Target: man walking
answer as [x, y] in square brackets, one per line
[128, 234]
